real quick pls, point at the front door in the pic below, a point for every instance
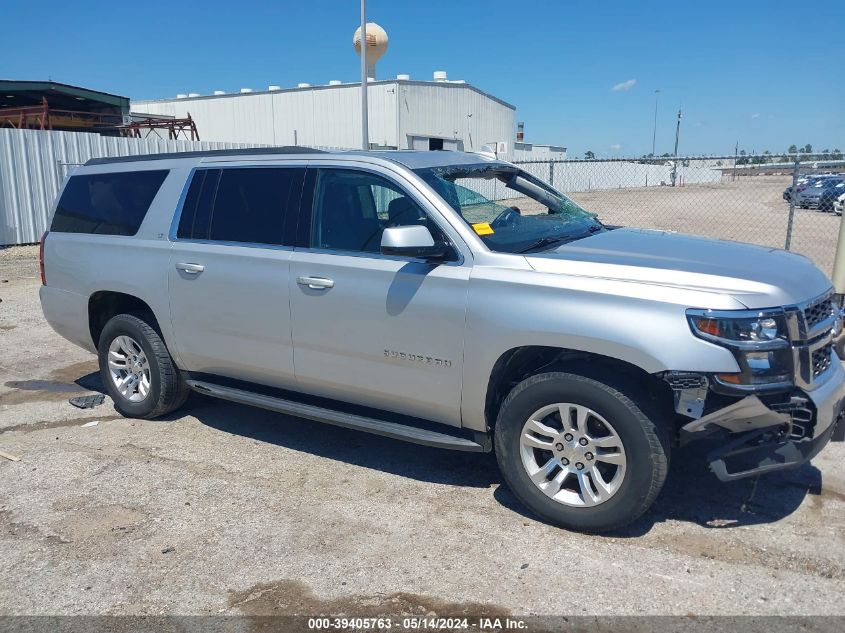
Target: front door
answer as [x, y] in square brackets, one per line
[228, 275]
[370, 329]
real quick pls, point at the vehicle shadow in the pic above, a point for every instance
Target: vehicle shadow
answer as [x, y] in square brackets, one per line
[477, 470]
[691, 493]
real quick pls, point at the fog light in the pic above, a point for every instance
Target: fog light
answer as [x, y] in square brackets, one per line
[759, 361]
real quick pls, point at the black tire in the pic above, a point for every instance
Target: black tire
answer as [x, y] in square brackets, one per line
[639, 425]
[168, 390]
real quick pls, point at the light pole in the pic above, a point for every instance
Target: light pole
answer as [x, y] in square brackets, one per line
[677, 135]
[365, 132]
[654, 134]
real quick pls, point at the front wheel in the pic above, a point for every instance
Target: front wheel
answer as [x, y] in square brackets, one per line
[581, 453]
[137, 369]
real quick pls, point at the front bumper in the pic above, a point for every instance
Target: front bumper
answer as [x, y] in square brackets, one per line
[764, 439]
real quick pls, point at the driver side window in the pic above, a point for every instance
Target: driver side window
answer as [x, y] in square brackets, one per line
[352, 208]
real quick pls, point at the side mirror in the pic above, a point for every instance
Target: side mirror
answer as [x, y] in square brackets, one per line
[412, 241]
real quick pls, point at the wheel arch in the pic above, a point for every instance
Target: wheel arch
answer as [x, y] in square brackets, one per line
[518, 363]
[105, 304]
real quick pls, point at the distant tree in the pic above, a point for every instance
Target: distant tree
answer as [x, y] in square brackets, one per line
[807, 149]
[589, 155]
[825, 151]
[793, 149]
[666, 155]
[836, 155]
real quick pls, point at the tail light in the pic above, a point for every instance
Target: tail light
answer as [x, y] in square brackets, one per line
[41, 258]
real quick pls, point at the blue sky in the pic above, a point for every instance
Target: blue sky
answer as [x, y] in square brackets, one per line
[729, 65]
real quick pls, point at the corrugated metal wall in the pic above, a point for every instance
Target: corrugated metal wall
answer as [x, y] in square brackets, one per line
[33, 164]
[331, 115]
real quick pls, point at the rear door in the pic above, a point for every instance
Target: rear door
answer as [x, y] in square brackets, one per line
[228, 273]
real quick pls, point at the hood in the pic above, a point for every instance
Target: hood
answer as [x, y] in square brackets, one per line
[756, 276]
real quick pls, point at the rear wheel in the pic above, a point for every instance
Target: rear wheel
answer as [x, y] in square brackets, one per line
[137, 369]
[581, 453]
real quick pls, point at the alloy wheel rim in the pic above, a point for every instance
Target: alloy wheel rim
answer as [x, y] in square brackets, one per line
[573, 454]
[129, 368]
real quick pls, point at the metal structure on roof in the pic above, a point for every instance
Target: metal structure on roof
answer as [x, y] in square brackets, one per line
[49, 105]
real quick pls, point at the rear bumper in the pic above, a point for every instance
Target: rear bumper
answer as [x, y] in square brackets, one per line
[764, 440]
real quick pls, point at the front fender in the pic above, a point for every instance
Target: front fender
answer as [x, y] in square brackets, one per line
[640, 324]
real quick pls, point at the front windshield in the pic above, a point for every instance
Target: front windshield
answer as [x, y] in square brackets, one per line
[510, 210]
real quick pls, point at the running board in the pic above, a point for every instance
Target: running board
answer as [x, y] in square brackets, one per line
[339, 418]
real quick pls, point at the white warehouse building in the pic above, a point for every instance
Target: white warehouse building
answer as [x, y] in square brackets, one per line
[403, 114]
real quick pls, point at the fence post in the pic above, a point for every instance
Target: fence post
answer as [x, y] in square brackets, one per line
[792, 194]
[551, 173]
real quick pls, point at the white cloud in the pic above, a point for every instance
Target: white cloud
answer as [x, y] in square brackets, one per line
[624, 86]
[616, 147]
[756, 115]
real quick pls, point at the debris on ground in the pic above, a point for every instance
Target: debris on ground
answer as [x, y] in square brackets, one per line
[88, 402]
[92, 423]
[10, 457]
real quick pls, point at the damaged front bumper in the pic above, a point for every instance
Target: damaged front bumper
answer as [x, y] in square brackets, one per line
[774, 436]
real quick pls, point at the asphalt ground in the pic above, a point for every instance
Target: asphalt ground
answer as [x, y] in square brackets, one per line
[228, 510]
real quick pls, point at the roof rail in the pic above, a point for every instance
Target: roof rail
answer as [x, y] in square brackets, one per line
[250, 151]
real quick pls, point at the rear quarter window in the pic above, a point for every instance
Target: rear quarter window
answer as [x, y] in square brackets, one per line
[107, 204]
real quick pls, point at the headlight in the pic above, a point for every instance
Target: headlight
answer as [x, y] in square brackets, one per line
[758, 340]
[746, 329]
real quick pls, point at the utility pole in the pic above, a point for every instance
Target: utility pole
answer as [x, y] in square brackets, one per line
[365, 132]
[677, 135]
[654, 134]
[736, 153]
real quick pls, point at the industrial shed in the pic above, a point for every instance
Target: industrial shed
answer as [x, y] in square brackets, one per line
[403, 114]
[50, 105]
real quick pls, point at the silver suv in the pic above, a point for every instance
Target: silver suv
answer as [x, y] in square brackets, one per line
[448, 299]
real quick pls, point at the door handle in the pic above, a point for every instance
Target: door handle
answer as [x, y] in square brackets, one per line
[315, 283]
[191, 269]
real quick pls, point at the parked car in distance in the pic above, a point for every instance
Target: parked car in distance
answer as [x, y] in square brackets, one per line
[800, 183]
[806, 181]
[839, 203]
[821, 194]
[449, 299]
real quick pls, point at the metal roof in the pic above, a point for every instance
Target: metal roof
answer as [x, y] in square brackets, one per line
[314, 87]
[13, 86]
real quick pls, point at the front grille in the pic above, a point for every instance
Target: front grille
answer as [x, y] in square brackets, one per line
[818, 312]
[821, 359]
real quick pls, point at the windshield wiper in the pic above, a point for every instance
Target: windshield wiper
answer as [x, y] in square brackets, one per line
[549, 240]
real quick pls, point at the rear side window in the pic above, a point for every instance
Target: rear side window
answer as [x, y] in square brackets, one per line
[246, 205]
[107, 204]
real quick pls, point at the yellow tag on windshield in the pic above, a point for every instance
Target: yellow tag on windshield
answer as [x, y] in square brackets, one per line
[483, 228]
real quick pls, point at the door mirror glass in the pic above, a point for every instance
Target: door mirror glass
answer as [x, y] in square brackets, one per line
[411, 241]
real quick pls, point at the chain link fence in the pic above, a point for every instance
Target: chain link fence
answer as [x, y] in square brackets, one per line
[747, 199]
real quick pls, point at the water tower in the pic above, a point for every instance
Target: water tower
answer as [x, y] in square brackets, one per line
[376, 46]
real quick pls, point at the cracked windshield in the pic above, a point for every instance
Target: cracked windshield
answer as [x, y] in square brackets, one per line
[510, 210]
